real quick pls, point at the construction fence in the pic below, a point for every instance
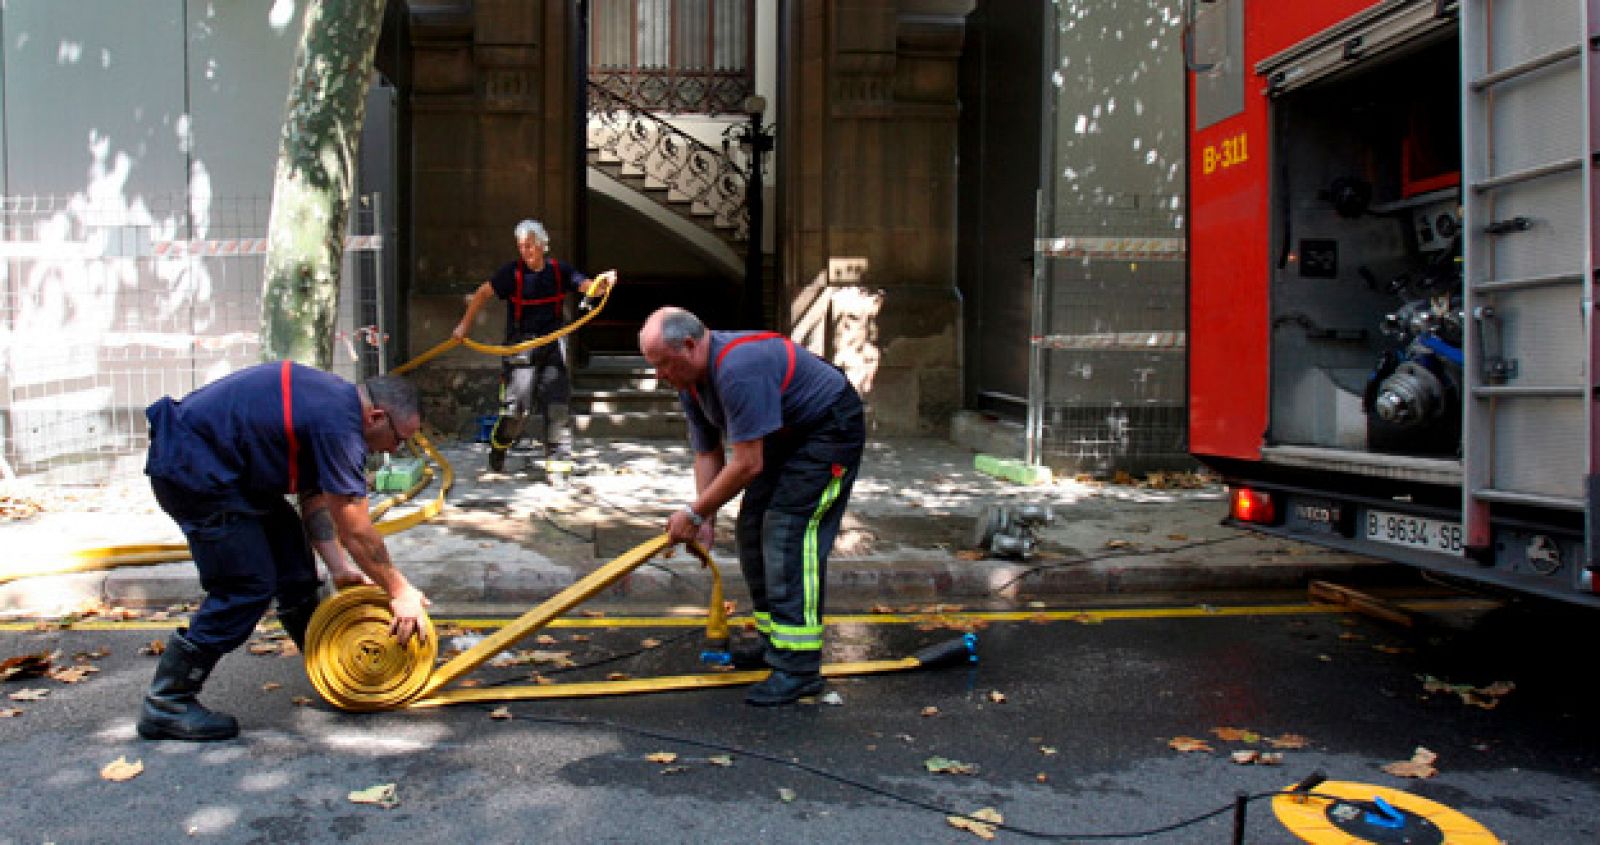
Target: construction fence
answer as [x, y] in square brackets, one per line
[108, 305]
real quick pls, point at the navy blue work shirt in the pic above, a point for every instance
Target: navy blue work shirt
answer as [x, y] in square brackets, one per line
[228, 441]
[744, 396]
[543, 293]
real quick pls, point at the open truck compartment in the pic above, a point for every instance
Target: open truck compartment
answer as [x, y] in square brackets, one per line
[1402, 315]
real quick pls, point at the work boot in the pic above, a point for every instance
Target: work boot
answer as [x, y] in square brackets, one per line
[558, 433]
[170, 708]
[296, 619]
[783, 688]
[748, 653]
[497, 459]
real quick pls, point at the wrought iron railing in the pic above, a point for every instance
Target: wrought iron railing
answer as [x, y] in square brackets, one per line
[711, 182]
[683, 56]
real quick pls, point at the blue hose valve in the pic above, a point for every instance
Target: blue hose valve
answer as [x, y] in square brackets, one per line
[716, 658]
[1386, 817]
[970, 640]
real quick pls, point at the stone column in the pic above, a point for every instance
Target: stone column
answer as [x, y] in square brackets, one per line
[871, 212]
[493, 143]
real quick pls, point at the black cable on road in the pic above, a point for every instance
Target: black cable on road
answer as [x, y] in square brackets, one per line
[567, 721]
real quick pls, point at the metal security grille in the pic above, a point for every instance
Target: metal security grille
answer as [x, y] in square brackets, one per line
[1107, 387]
[695, 56]
[107, 306]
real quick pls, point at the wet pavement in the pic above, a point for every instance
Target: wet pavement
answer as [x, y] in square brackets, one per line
[1068, 726]
[507, 540]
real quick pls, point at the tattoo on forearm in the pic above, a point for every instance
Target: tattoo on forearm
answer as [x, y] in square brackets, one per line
[320, 526]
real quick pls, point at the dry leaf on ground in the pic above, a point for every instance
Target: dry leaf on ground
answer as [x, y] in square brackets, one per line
[10, 712]
[300, 701]
[1244, 758]
[662, 757]
[382, 795]
[649, 643]
[501, 713]
[25, 666]
[269, 686]
[1188, 744]
[545, 639]
[997, 696]
[1236, 735]
[1288, 741]
[1419, 766]
[980, 823]
[971, 554]
[946, 766]
[785, 795]
[29, 695]
[73, 674]
[120, 769]
[723, 760]
[930, 711]
[618, 676]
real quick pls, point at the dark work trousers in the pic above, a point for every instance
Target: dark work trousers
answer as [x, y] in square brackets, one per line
[537, 382]
[787, 525]
[249, 551]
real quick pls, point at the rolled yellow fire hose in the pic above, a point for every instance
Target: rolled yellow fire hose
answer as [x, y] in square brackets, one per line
[356, 665]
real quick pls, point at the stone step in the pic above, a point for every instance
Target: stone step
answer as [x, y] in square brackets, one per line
[628, 425]
[624, 401]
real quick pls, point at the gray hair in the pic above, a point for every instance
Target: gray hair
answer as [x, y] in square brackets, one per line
[534, 228]
[678, 325]
[396, 396]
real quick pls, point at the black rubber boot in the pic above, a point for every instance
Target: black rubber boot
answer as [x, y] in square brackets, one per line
[170, 708]
[784, 688]
[296, 619]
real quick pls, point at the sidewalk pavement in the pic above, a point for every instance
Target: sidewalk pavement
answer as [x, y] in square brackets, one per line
[506, 541]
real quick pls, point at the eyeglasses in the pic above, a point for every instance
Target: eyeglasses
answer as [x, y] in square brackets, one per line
[389, 418]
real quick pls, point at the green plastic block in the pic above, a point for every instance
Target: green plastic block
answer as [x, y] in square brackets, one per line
[1011, 470]
[399, 475]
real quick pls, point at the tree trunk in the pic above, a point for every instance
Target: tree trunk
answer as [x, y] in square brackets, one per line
[316, 175]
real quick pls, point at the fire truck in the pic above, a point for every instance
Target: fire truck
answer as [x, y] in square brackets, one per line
[1393, 258]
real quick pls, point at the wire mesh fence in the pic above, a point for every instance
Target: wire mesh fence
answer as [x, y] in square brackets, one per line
[1112, 351]
[106, 305]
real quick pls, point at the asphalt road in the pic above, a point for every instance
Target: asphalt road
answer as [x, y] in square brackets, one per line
[1080, 745]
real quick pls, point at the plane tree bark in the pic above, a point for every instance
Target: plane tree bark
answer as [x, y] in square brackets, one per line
[315, 178]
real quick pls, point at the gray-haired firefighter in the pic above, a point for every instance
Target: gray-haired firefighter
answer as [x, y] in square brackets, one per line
[221, 461]
[796, 428]
[535, 287]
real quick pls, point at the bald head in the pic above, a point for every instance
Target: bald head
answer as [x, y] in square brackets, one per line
[676, 344]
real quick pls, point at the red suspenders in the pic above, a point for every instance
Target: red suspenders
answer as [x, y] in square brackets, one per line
[788, 374]
[516, 296]
[288, 428]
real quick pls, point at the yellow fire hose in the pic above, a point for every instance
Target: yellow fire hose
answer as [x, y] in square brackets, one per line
[356, 665]
[103, 558]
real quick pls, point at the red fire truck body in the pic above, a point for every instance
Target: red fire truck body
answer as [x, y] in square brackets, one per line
[1392, 257]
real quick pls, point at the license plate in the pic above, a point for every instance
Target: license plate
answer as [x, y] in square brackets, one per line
[1414, 532]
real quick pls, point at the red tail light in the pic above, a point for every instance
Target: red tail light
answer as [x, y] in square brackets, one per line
[1253, 506]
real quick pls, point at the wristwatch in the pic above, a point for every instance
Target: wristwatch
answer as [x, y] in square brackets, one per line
[696, 519]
